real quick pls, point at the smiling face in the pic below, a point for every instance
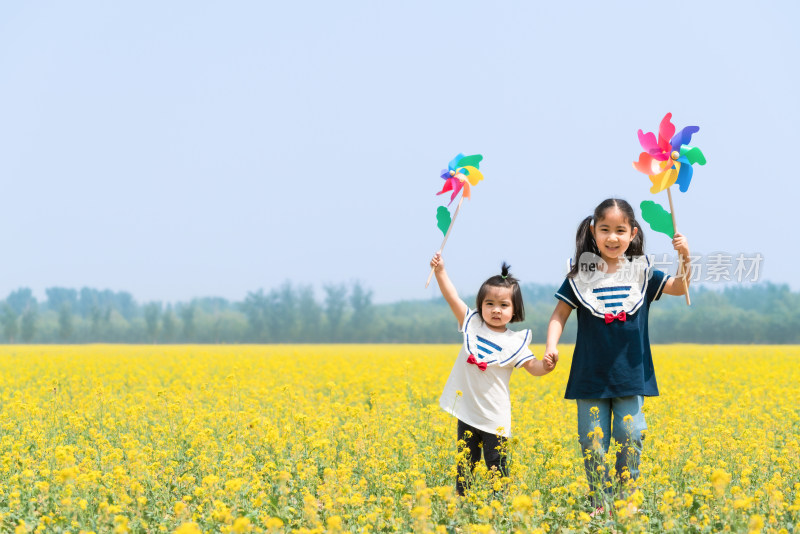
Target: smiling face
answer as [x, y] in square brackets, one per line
[497, 308]
[613, 234]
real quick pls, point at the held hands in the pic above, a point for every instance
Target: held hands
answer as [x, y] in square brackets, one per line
[550, 359]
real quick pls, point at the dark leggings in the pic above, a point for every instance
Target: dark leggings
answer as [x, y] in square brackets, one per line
[493, 453]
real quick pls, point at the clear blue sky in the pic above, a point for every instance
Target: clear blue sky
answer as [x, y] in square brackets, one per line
[191, 148]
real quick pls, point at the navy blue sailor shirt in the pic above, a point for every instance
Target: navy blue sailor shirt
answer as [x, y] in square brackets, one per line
[613, 358]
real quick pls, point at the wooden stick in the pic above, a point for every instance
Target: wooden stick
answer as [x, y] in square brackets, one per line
[452, 222]
[680, 260]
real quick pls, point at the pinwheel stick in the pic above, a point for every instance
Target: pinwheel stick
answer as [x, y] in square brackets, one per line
[452, 222]
[680, 260]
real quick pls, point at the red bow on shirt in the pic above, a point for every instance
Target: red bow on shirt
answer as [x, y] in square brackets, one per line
[481, 365]
[621, 316]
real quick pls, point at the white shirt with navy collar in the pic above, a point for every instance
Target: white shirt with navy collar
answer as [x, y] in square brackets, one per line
[485, 402]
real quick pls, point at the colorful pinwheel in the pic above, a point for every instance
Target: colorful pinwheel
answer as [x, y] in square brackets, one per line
[667, 161]
[460, 175]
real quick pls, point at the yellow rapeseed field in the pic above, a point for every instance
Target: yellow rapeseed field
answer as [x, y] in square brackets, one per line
[350, 438]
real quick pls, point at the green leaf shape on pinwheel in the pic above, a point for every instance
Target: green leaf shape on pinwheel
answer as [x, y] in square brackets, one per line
[659, 219]
[693, 155]
[472, 161]
[443, 219]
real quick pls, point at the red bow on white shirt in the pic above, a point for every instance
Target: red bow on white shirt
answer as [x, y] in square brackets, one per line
[621, 316]
[481, 365]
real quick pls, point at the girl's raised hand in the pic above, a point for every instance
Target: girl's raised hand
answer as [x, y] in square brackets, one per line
[448, 289]
[681, 245]
[679, 285]
[437, 262]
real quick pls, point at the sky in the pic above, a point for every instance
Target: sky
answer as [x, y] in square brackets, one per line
[193, 148]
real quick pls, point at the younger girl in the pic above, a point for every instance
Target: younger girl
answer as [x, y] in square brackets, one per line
[611, 284]
[477, 391]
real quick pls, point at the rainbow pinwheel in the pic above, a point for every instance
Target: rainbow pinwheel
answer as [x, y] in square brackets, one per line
[460, 175]
[667, 161]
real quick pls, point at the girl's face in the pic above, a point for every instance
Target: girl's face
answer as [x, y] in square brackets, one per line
[497, 308]
[613, 234]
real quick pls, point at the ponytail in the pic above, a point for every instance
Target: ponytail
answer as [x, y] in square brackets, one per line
[584, 242]
[636, 248]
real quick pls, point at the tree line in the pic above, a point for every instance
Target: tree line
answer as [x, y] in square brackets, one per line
[346, 313]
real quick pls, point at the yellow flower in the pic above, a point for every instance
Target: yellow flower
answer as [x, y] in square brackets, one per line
[235, 484]
[521, 503]
[756, 524]
[720, 480]
[188, 528]
[334, 523]
[420, 512]
[120, 524]
[241, 525]
[274, 523]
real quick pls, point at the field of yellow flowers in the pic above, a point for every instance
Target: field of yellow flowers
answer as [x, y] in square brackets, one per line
[349, 438]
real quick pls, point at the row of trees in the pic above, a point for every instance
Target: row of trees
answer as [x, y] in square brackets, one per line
[765, 313]
[287, 314]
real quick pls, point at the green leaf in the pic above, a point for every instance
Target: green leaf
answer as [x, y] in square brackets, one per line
[443, 219]
[657, 217]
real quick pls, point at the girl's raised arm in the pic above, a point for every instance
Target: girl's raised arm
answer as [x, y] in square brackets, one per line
[448, 289]
[675, 285]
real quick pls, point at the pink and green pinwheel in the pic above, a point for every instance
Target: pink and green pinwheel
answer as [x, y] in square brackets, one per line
[668, 160]
[460, 174]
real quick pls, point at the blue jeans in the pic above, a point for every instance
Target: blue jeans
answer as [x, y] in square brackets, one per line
[597, 413]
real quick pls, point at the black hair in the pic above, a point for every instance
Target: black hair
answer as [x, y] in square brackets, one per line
[504, 279]
[584, 240]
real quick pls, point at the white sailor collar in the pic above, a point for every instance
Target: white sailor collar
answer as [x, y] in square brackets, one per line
[624, 290]
[490, 347]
